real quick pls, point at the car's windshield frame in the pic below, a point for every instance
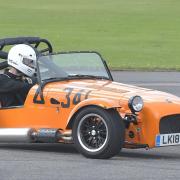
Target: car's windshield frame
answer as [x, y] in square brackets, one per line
[66, 78]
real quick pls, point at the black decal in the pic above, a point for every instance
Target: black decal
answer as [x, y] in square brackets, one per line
[54, 101]
[87, 94]
[77, 97]
[38, 94]
[67, 104]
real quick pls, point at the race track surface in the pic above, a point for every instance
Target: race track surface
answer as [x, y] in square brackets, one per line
[63, 162]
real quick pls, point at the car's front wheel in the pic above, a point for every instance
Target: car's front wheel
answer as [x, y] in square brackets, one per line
[98, 133]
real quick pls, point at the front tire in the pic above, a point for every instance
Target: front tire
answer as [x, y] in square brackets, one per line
[98, 133]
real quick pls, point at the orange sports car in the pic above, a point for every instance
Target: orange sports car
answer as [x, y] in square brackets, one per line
[77, 101]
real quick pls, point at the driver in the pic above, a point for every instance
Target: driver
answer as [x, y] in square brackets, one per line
[16, 82]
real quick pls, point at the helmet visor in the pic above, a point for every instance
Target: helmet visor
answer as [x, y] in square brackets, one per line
[29, 62]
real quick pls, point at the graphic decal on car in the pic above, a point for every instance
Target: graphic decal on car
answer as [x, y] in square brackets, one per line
[77, 98]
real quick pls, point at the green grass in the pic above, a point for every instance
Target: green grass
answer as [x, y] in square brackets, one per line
[130, 34]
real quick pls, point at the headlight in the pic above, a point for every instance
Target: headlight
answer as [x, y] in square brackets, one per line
[135, 103]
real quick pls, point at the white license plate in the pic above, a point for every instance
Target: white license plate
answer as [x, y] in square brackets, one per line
[167, 139]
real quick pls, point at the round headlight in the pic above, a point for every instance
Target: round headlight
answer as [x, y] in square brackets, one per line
[136, 103]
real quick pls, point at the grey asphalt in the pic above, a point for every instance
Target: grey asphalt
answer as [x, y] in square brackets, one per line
[63, 162]
[163, 81]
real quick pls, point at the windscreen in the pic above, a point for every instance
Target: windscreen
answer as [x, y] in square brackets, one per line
[64, 65]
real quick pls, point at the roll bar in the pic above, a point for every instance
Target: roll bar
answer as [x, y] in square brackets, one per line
[34, 41]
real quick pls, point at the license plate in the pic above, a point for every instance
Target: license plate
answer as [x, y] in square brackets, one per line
[167, 139]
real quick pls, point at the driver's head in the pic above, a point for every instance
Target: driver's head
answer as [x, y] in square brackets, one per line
[23, 58]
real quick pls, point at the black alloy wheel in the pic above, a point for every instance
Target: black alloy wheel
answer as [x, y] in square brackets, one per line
[98, 133]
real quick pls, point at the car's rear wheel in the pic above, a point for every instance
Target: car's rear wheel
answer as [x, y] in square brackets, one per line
[98, 133]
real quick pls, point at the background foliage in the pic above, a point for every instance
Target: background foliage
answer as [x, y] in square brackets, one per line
[138, 34]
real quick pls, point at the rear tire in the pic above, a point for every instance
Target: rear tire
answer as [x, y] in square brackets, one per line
[98, 133]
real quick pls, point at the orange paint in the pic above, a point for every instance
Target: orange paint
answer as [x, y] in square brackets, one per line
[102, 93]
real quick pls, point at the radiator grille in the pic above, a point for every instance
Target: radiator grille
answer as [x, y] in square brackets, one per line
[170, 124]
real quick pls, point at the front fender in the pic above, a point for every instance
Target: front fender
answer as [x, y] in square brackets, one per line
[101, 102]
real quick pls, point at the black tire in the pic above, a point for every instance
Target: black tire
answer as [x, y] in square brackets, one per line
[98, 133]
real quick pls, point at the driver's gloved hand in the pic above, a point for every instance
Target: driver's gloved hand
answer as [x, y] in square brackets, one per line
[32, 80]
[28, 80]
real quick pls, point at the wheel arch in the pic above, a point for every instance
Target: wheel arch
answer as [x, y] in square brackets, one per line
[71, 119]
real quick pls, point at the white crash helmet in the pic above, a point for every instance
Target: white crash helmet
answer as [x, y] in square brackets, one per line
[23, 58]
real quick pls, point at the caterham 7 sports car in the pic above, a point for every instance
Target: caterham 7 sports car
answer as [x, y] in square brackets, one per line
[76, 101]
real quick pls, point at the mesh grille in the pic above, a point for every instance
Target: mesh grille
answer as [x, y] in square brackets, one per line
[170, 124]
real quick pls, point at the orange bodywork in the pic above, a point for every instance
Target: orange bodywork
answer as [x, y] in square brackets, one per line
[73, 95]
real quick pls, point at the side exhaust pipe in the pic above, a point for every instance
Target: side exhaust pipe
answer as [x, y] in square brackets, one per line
[29, 135]
[20, 135]
[67, 136]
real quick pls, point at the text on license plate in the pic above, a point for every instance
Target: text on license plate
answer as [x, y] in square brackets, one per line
[167, 139]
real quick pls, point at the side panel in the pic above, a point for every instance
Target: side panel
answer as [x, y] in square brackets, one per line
[30, 115]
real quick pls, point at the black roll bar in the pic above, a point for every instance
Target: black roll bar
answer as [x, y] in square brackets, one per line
[34, 41]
